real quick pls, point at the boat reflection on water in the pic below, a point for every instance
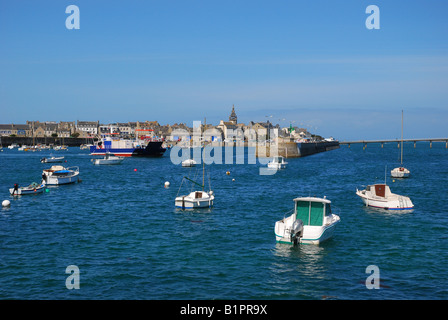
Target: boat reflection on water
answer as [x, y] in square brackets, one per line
[298, 267]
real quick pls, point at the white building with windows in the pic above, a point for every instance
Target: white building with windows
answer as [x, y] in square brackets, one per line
[90, 127]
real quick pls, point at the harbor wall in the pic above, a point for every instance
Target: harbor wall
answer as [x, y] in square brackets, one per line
[306, 149]
[287, 149]
[290, 149]
[28, 141]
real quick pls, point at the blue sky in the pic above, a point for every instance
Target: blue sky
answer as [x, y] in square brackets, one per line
[312, 63]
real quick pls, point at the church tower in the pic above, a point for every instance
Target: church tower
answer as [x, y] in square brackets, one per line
[233, 118]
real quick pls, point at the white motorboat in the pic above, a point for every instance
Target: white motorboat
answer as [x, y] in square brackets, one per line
[400, 172]
[188, 163]
[57, 175]
[380, 196]
[311, 222]
[52, 160]
[108, 159]
[277, 163]
[33, 188]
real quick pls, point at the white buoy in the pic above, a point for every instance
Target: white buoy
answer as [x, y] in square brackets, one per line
[6, 203]
[167, 184]
[233, 179]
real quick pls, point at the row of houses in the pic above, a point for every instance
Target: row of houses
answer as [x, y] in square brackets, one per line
[93, 129]
[82, 129]
[224, 131]
[62, 129]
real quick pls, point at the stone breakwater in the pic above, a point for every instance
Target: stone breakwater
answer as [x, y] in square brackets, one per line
[290, 149]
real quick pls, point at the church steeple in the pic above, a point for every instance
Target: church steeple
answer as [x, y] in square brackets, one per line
[233, 118]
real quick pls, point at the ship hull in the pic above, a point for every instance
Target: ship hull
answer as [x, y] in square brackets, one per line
[153, 149]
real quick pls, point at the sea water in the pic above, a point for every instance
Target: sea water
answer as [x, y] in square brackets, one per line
[120, 229]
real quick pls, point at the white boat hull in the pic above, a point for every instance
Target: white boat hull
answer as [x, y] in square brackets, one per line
[400, 173]
[310, 234]
[188, 163]
[108, 161]
[62, 180]
[192, 201]
[393, 202]
[58, 175]
[276, 165]
[52, 160]
[27, 190]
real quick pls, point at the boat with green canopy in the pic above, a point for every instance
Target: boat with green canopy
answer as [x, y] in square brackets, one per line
[311, 222]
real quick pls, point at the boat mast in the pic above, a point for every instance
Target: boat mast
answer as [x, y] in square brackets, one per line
[401, 137]
[203, 162]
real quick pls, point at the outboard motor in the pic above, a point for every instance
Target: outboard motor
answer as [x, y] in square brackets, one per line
[296, 231]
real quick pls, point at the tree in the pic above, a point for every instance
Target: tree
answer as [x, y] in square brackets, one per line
[54, 135]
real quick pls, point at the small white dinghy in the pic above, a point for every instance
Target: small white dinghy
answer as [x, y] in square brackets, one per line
[52, 160]
[311, 222]
[188, 163]
[380, 196]
[33, 188]
[400, 172]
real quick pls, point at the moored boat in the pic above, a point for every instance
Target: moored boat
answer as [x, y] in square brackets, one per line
[85, 146]
[59, 148]
[196, 199]
[52, 160]
[277, 163]
[33, 188]
[380, 196]
[57, 175]
[400, 172]
[188, 163]
[311, 222]
[128, 148]
[108, 159]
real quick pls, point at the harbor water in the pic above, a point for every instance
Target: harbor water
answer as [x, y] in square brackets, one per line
[120, 228]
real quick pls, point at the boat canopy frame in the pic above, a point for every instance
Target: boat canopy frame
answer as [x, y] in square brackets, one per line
[312, 210]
